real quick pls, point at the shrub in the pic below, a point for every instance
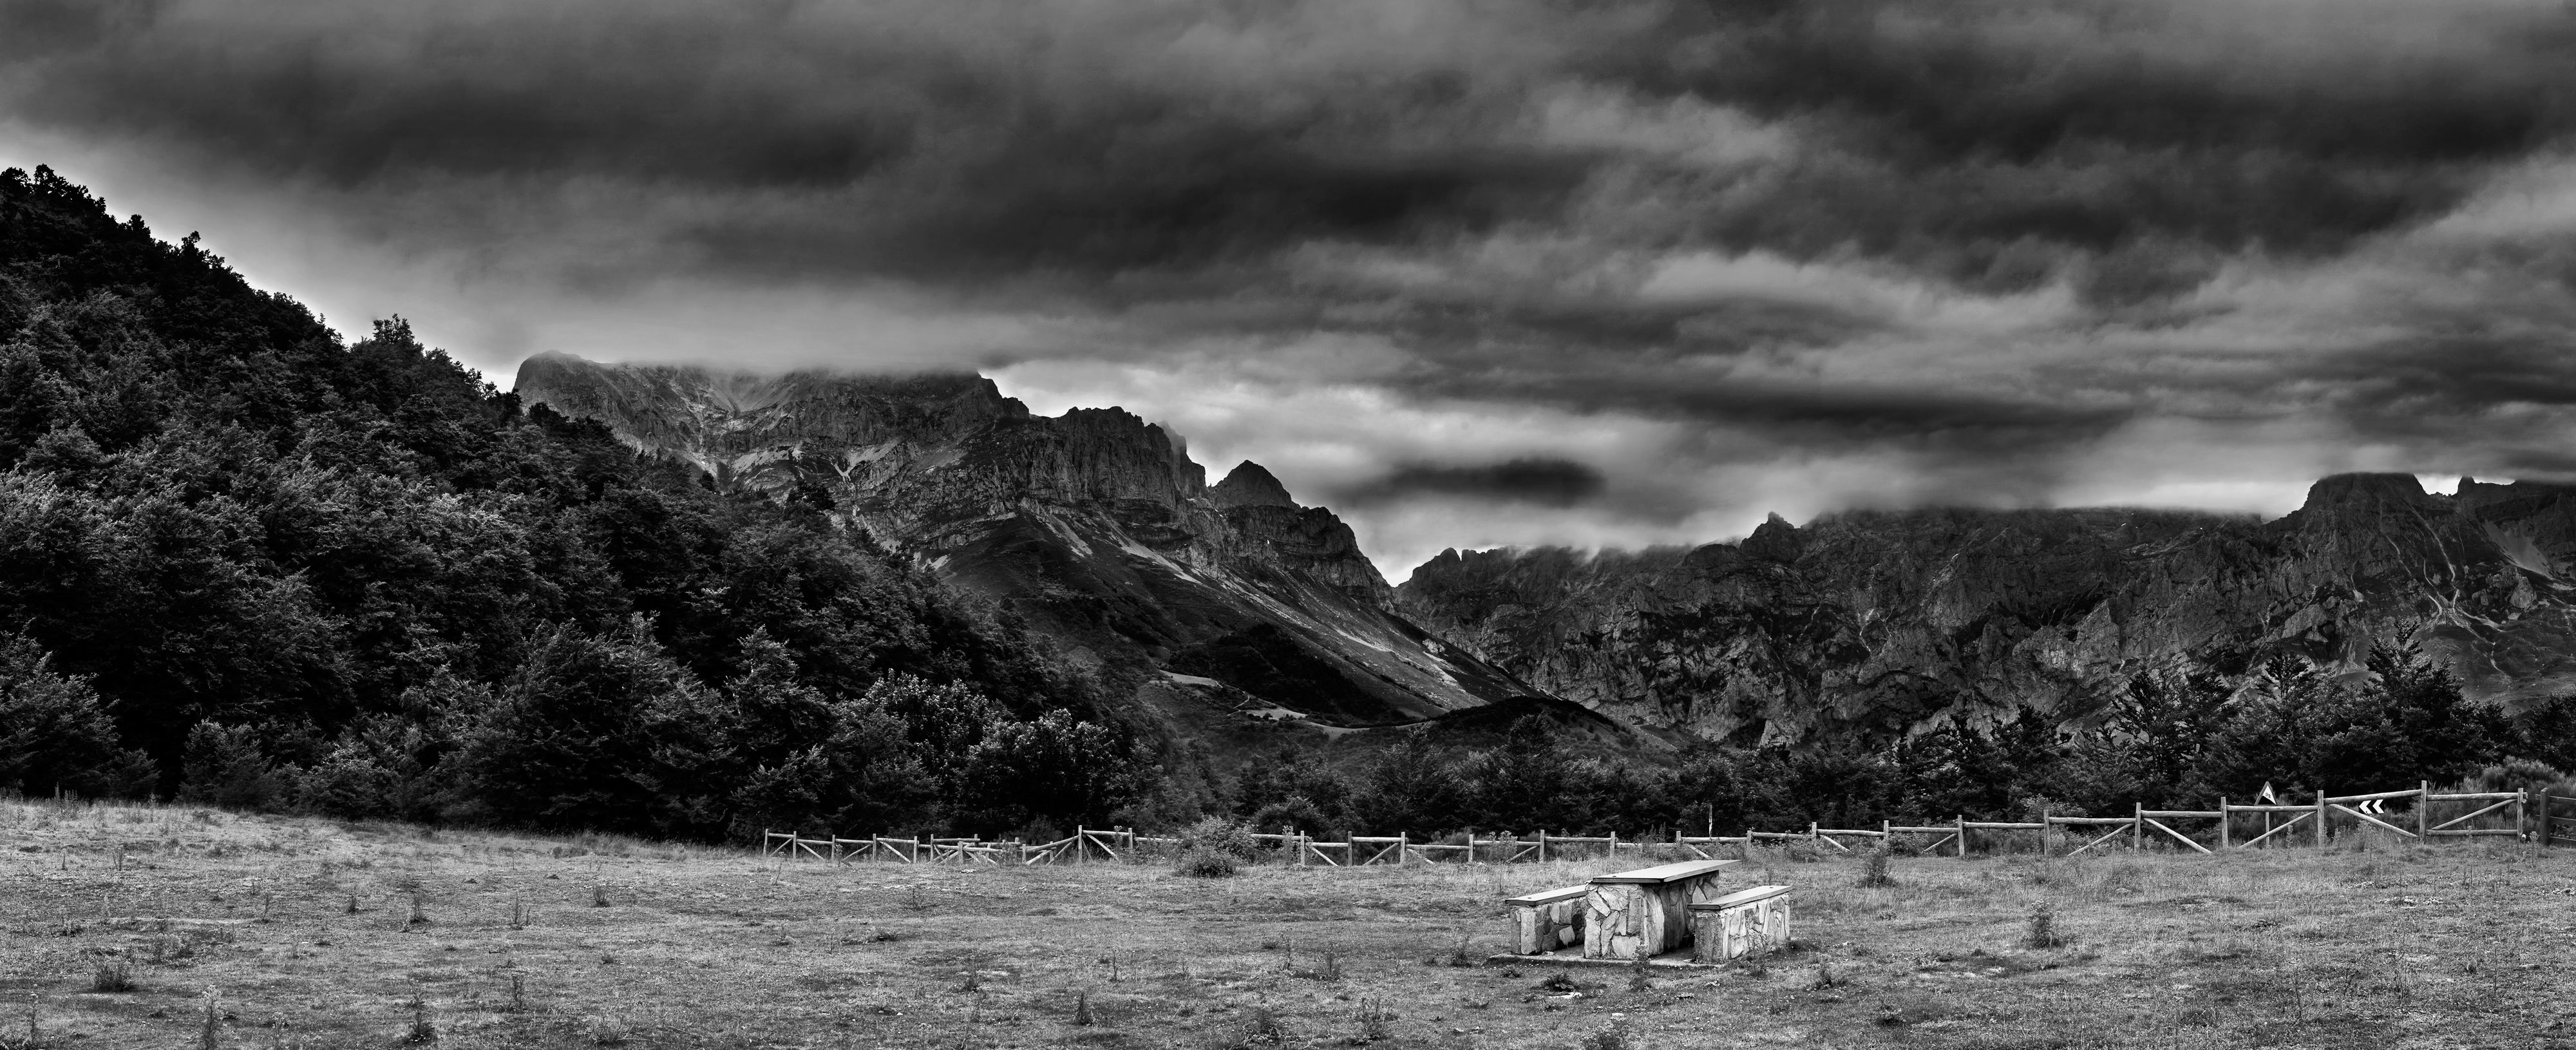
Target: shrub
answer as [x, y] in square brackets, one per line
[1295, 811]
[1873, 871]
[112, 977]
[347, 784]
[223, 766]
[1203, 863]
[2041, 930]
[1218, 835]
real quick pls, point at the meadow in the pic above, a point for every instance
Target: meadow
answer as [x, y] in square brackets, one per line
[175, 926]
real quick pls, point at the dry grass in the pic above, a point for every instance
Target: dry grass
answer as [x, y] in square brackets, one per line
[490, 940]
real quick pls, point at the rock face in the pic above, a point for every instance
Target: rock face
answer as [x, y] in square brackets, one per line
[1094, 527]
[1875, 622]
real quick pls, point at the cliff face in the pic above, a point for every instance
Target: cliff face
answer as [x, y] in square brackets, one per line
[1877, 621]
[1095, 527]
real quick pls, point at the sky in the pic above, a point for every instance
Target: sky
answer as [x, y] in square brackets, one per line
[1603, 273]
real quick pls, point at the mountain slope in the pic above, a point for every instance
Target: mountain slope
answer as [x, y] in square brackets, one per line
[1093, 527]
[1878, 621]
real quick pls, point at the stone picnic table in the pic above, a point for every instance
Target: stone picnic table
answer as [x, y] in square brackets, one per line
[1626, 915]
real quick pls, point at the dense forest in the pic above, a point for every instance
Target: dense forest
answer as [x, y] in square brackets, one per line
[245, 563]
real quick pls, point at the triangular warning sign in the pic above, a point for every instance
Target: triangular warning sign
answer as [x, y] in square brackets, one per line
[2267, 796]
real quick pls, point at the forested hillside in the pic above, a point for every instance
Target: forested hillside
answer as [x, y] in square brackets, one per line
[244, 561]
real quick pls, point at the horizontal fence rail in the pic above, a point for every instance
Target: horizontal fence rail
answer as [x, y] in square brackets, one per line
[2537, 816]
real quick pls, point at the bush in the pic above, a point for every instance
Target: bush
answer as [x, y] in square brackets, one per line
[1873, 871]
[2040, 930]
[348, 784]
[1207, 864]
[1295, 811]
[224, 766]
[1219, 835]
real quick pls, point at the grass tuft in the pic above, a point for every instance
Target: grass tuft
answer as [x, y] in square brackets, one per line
[112, 977]
[607, 1031]
[1263, 1027]
[422, 1032]
[1616, 1036]
[1376, 1022]
[209, 1031]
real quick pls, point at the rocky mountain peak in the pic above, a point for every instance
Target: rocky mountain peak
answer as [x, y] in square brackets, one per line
[1775, 539]
[1250, 485]
[2367, 493]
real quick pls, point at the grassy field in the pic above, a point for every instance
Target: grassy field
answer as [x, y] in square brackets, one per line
[310, 933]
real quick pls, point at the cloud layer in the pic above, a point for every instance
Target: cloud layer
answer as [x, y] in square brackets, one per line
[1478, 271]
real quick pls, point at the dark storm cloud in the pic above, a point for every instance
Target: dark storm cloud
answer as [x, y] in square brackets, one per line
[1977, 241]
[1546, 482]
[1068, 138]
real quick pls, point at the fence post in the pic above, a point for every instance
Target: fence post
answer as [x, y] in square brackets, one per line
[1960, 829]
[2137, 826]
[1614, 847]
[2321, 818]
[2521, 811]
[2423, 808]
[1542, 845]
[1471, 847]
[1402, 842]
[2223, 834]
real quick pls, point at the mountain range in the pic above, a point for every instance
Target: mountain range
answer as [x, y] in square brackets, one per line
[1239, 617]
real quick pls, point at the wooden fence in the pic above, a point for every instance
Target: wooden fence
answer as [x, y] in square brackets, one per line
[2537, 816]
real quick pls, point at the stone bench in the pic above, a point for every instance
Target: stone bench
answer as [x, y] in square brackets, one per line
[1747, 922]
[1645, 913]
[1545, 922]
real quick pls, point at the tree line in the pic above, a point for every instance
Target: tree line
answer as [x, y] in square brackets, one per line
[2182, 738]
